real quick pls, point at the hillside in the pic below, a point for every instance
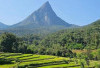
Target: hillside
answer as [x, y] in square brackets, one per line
[79, 38]
[41, 61]
[60, 43]
[3, 26]
[42, 21]
[72, 48]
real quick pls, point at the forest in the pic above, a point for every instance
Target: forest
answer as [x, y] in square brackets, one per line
[61, 43]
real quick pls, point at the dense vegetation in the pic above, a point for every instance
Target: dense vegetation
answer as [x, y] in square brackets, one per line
[61, 43]
[29, 44]
[79, 38]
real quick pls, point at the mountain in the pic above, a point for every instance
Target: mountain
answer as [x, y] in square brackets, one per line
[43, 20]
[44, 16]
[3, 26]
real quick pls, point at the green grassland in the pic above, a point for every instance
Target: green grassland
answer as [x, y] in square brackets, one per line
[19, 60]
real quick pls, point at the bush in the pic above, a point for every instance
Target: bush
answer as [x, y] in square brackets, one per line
[98, 66]
[5, 61]
[82, 65]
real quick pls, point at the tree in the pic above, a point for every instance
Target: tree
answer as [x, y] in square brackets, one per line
[22, 47]
[98, 54]
[7, 41]
[82, 65]
[87, 61]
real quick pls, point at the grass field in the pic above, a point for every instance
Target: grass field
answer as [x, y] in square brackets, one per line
[19, 60]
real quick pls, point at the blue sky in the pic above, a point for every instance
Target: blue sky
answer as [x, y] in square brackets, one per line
[79, 12]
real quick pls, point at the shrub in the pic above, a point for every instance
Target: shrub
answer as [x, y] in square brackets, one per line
[98, 66]
[5, 61]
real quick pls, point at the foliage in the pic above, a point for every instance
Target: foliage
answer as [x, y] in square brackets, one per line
[5, 61]
[82, 65]
[60, 43]
[7, 41]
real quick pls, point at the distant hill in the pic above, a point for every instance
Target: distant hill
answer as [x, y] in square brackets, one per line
[3, 26]
[44, 20]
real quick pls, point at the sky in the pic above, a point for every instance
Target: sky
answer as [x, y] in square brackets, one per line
[78, 12]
